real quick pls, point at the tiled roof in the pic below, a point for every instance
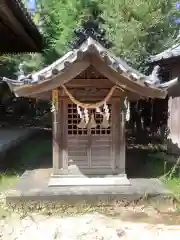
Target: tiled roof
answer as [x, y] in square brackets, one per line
[89, 47]
[174, 51]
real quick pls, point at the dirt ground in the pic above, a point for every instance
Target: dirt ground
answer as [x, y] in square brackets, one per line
[150, 220]
[88, 226]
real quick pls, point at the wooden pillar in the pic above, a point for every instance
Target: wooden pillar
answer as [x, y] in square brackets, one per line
[56, 132]
[119, 135]
[123, 138]
[173, 143]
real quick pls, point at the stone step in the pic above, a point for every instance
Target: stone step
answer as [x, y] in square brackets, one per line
[94, 181]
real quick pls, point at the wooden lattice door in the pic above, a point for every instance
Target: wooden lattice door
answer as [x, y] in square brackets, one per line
[88, 149]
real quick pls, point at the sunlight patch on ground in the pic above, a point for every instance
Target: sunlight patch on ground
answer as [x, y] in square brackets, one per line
[87, 226]
[7, 181]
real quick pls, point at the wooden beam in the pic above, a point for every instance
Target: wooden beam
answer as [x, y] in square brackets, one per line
[11, 21]
[47, 96]
[83, 82]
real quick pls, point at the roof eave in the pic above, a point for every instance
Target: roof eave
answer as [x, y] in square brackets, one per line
[74, 62]
[18, 22]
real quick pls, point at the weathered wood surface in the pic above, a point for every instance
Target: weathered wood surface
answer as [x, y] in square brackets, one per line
[174, 125]
[12, 22]
[94, 155]
[94, 152]
[57, 135]
[85, 89]
[88, 151]
[18, 32]
[119, 134]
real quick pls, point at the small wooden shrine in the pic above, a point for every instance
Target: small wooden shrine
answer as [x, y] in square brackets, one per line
[90, 90]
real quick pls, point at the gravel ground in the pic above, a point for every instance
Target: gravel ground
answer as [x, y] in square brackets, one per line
[88, 226]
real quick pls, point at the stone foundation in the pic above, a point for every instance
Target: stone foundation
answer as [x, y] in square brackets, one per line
[57, 181]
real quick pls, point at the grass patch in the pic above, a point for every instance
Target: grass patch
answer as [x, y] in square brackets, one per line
[166, 168]
[7, 181]
[174, 185]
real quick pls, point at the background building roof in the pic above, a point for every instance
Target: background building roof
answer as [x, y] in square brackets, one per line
[17, 29]
[171, 52]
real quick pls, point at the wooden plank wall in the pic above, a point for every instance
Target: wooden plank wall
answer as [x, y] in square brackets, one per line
[174, 125]
[174, 113]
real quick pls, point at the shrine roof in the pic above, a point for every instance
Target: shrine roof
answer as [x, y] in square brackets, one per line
[18, 32]
[169, 53]
[74, 62]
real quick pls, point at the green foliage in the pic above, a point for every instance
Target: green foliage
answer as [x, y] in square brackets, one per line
[137, 28]
[166, 168]
[59, 20]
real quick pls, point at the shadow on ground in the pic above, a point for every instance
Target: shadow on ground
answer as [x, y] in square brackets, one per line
[141, 164]
[36, 152]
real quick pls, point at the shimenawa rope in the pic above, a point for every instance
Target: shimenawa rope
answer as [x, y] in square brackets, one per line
[90, 105]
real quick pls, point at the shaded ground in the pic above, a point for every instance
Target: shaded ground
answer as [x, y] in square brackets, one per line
[36, 152]
[33, 153]
[138, 163]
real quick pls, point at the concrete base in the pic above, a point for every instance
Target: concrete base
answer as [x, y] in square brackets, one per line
[33, 186]
[89, 181]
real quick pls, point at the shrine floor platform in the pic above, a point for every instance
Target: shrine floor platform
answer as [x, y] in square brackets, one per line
[33, 186]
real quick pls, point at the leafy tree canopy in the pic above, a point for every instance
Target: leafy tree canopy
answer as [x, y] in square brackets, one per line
[136, 28]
